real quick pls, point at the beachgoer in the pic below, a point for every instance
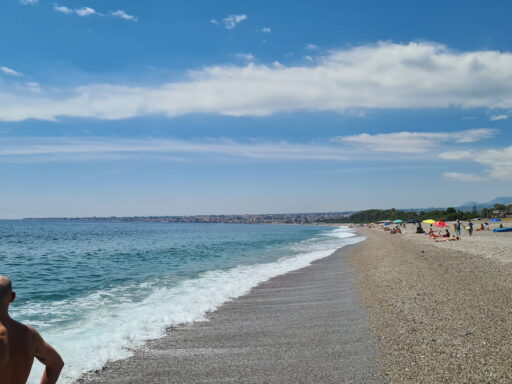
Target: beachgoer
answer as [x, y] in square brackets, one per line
[501, 225]
[447, 233]
[458, 227]
[451, 238]
[19, 345]
[470, 227]
[419, 228]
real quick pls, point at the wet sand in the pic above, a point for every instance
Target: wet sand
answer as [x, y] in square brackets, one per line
[302, 327]
[442, 312]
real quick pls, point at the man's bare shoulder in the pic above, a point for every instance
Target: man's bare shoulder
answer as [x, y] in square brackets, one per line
[35, 337]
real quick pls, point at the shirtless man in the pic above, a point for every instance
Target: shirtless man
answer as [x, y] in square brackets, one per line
[19, 345]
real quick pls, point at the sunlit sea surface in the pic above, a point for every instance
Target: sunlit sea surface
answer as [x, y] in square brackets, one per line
[95, 289]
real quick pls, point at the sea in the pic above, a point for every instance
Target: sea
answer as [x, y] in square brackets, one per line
[97, 290]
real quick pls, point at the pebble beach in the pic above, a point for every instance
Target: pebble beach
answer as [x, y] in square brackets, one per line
[441, 312]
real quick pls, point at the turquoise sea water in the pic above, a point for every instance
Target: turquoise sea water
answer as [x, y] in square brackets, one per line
[94, 289]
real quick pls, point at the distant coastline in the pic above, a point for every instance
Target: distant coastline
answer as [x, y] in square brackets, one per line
[284, 218]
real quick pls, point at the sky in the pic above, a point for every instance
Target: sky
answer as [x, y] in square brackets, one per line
[124, 107]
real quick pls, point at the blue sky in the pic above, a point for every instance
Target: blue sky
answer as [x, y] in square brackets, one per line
[153, 108]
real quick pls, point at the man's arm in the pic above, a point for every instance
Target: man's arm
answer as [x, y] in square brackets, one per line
[4, 347]
[50, 358]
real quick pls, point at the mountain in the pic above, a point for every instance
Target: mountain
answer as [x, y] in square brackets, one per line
[470, 204]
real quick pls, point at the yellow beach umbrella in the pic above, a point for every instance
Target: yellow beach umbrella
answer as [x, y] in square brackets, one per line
[429, 221]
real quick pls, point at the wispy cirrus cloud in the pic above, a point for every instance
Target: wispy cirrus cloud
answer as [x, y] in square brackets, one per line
[503, 116]
[29, 2]
[464, 177]
[123, 15]
[245, 56]
[10, 71]
[231, 21]
[88, 11]
[413, 142]
[84, 11]
[266, 30]
[381, 76]
[65, 149]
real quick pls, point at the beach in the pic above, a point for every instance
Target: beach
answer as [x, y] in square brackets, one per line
[304, 326]
[442, 312]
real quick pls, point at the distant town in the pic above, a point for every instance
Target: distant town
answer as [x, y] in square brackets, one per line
[285, 218]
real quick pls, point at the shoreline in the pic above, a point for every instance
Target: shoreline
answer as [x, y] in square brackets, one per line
[302, 326]
[441, 311]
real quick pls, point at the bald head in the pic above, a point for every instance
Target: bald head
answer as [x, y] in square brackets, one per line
[5, 288]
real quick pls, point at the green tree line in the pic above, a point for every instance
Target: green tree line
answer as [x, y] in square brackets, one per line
[374, 215]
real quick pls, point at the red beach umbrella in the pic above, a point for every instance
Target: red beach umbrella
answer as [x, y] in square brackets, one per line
[440, 224]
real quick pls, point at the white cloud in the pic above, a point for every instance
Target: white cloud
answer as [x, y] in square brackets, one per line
[386, 75]
[214, 21]
[245, 56]
[29, 2]
[10, 71]
[455, 155]
[464, 176]
[499, 117]
[266, 30]
[231, 21]
[62, 9]
[498, 162]
[84, 11]
[67, 148]
[311, 47]
[413, 142]
[123, 15]
[88, 11]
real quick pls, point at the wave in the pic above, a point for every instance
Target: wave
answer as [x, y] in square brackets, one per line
[110, 330]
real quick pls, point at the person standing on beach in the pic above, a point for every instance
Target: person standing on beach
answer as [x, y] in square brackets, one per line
[458, 225]
[19, 345]
[470, 227]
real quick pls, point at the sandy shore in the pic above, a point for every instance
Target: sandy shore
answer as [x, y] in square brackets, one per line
[302, 327]
[442, 312]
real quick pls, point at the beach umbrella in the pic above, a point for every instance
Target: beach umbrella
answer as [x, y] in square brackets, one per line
[398, 221]
[414, 221]
[387, 223]
[441, 224]
[429, 221]
[495, 220]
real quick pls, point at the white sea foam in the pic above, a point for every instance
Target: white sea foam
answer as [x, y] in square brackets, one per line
[107, 330]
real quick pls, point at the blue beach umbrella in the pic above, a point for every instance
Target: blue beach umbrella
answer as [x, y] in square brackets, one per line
[398, 221]
[495, 220]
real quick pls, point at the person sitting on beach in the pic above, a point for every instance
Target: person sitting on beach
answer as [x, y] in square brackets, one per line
[501, 225]
[19, 345]
[447, 233]
[431, 232]
[482, 228]
[419, 229]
